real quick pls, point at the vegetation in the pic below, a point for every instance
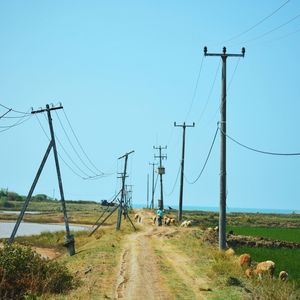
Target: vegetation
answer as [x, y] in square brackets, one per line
[284, 234]
[24, 273]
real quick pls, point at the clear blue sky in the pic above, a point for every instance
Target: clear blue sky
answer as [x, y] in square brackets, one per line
[126, 70]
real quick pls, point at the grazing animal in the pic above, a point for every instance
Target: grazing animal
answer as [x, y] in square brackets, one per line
[265, 267]
[136, 217]
[154, 219]
[283, 275]
[186, 223]
[173, 221]
[216, 229]
[229, 252]
[168, 221]
[245, 260]
[249, 272]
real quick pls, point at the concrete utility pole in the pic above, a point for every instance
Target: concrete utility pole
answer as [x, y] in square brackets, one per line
[222, 216]
[123, 191]
[161, 172]
[184, 126]
[147, 190]
[69, 239]
[153, 188]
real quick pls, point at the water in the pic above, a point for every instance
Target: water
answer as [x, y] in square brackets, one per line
[17, 212]
[229, 210]
[6, 228]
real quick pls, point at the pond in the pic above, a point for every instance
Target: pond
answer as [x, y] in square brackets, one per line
[6, 228]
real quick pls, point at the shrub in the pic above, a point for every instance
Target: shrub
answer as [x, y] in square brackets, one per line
[24, 272]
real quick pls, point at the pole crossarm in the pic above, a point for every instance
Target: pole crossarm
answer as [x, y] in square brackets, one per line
[223, 176]
[46, 109]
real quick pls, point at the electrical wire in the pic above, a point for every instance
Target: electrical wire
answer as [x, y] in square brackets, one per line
[63, 160]
[84, 152]
[272, 30]
[15, 124]
[206, 160]
[5, 114]
[177, 176]
[210, 92]
[75, 151]
[256, 24]
[16, 111]
[195, 89]
[259, 151]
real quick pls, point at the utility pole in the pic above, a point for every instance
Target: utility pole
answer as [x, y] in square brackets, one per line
[69, 239]
[121, 206]
[222, 216]
[184, 126]
[147, 190]
[153, 188]
[161, 172]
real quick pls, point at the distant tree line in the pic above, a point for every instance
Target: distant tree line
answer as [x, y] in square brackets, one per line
[8, 197]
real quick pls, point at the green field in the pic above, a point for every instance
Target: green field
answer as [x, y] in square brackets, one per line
[285, 259]
[283, 234]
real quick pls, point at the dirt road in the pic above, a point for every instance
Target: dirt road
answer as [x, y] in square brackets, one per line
[140, 276]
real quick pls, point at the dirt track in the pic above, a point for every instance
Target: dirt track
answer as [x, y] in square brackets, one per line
[139, 276]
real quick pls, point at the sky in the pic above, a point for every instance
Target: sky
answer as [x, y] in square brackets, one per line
[125, 71]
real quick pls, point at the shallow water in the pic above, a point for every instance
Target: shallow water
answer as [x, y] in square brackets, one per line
[6, 228]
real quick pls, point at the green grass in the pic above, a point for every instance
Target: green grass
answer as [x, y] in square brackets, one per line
[284, 234]
[285, 259]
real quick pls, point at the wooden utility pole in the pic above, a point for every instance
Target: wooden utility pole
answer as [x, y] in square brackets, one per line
[69, 239]
[161, 172]
[222, 216]
[121, 206]
[184, 126]
[153, 188]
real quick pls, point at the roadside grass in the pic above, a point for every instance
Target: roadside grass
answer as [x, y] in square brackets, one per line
[284, 234]
[208, 261]
[177, 288]
[226, 276]
[96, 263]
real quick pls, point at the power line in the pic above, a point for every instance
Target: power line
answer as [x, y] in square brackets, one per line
[16, 111]
[195, 89]
[272, 30]
[79, 157]
[210, 92]
[85, 154]
[68, 166]
[177, 176]
[5, 114]
[15, 124]
[256, 24]
[206, 160]
[260, 151]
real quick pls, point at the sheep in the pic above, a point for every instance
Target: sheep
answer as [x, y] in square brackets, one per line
[173, 221]
[216, 229]
[249, 272]
[245, 260]
[186, 223]
[136, 217]
[229, 252]
[265, 267]
[168, 221]
[283, 275]
[154, 219]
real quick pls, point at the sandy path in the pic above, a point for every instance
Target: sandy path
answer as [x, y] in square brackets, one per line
[139, 276]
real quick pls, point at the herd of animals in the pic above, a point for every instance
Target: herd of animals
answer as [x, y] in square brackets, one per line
[265, 268]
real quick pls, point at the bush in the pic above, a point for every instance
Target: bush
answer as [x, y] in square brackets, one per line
[24, 272]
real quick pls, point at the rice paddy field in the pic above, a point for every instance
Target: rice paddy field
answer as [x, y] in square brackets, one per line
[285, 259]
